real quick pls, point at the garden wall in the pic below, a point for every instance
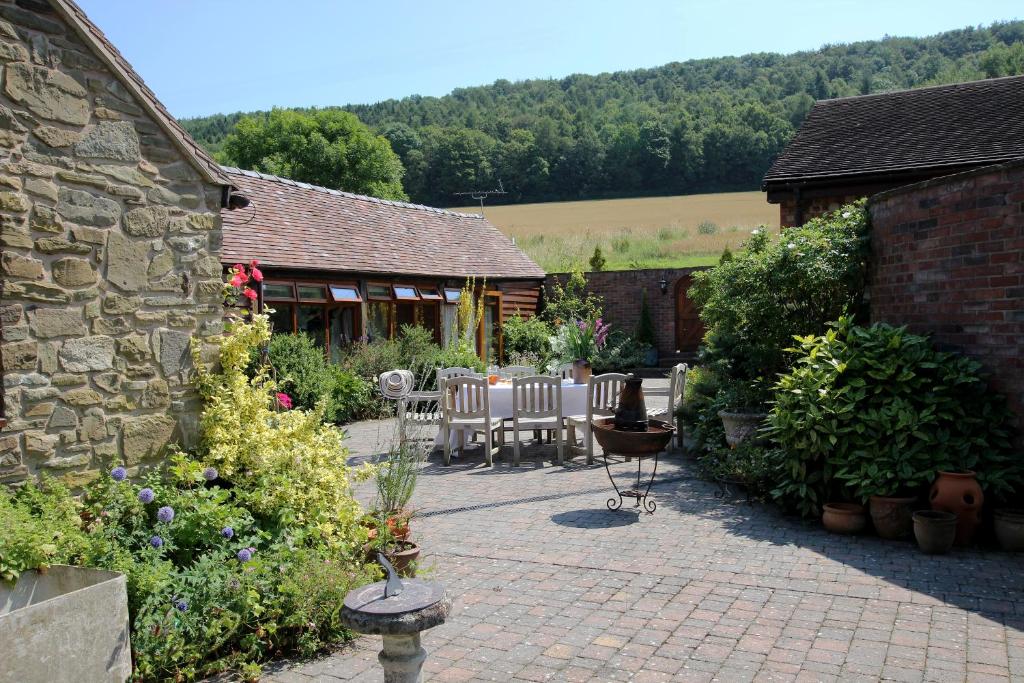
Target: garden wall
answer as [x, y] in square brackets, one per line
[622, 291]
[948, 259]
[110, 241]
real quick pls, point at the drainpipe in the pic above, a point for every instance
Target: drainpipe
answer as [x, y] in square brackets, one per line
[798, 209]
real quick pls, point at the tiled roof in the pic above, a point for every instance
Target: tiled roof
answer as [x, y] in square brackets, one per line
[93, 37]
[949, 126]
[296, 225]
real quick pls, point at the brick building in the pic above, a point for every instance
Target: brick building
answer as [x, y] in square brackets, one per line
[855, 147]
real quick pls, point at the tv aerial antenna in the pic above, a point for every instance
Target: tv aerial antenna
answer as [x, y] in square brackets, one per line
[481, 195]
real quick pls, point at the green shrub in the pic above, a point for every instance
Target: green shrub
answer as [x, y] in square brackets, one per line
[527, 336]
[645, 326]
[597, 260]
[754, 304]
[707, 228]
[877, 411]
[620, 352]
[748, 463]
[571, 301]
[41, 526]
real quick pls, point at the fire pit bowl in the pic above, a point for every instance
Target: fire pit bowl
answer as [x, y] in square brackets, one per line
[630, 443]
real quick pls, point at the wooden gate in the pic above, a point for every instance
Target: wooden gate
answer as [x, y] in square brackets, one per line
[689, 328]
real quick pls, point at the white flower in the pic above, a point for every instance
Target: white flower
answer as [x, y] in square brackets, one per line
[791, 245]
[846, 214]
[755, 231]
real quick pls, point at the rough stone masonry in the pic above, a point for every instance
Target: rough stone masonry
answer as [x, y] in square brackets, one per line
[110, 240]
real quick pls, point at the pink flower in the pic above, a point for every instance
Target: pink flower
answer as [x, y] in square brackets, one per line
[238, 280]
[254, 263]
[238, 267]
[285, 400]
[256, 274]
[249, 294]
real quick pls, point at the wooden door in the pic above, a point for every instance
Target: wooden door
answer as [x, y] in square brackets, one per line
[689, 328]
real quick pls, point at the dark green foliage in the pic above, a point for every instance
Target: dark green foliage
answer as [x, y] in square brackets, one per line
[795, 284]
[619, 354]
[323, 147]
[305, 375]
[528, 338]
[41, 527]
[699, 125]
[877, 411]
[597, 260]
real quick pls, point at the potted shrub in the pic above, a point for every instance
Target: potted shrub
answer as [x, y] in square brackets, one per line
[935, 531]
[645, 334]
[1009, 528]
[744, 468]
[396, 482]
[743, 415]
[578, 342]
[401, 552]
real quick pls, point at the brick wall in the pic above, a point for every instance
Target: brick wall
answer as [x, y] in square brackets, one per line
[622, 292]
[812, 207]
[948, 259]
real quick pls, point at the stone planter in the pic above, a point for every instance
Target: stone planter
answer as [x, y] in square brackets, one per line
[892, 516]
[935, 531]
[1009, 528]
[844, 518]
[67, 624]
[740, 426]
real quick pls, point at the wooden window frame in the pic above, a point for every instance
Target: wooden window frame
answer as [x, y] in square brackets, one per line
[416, 292]
[347, 285]
[436, 296]
[449, 301]
[378, 297]
[290, 283]
[306, 283]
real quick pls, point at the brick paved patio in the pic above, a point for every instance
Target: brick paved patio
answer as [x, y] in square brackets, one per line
[549, 585]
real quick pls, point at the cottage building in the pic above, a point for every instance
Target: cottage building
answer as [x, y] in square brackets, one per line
[342, 266]
[858, 146]
[110, 218]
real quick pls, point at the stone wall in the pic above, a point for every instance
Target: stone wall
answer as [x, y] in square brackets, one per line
[948, 260]
[110, 241]
[622, 291]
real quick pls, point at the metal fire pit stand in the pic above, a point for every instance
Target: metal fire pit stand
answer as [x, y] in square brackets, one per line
[398, 610]
[640, 495]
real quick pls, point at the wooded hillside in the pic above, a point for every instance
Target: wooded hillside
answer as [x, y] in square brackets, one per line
[696, 126]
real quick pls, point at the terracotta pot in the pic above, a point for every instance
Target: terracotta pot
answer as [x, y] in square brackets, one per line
[401, 559]
[581, 371]
[959, 493]
[740, 426]
[399, 527]
[935, 531]
[1009, 527]
[844, 518]
[892, 516]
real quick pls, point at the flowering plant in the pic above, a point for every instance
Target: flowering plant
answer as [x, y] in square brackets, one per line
[240, 278]
[580, 340]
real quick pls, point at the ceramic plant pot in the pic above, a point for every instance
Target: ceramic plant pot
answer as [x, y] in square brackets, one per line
[892, 516]
[1009, 528]
[740, 426]
[404, 554]
[935, 531]
[844, 518]
[581, 371]
[959, 493]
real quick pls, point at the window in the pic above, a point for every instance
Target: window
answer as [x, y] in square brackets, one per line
[379, 292]
[281, 318]
[278, 291]
[312, 293]
[452, 295]
[406, 292]
[378, 320]
[345, 293]
[429, 294]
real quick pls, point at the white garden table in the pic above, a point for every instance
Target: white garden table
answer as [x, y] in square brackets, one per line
[574, 402]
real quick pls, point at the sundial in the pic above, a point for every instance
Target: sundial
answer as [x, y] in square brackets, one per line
[395, 595]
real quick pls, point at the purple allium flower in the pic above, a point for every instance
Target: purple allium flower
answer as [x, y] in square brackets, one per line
[227, 532]
[119, 473]
[156, 541]
[181, 605]
[165, 514]
[252, 550]
[146, 495]
[244, 554]
[210, 473]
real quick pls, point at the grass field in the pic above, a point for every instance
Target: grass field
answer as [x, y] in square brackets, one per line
[644, 232]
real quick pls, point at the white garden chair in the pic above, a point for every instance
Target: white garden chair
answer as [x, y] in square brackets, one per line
[448, 373]
[602, 400]
[513, 371]
[563, 371]
[418, 408]
[466, 407]
[536, 405]
[676, 387]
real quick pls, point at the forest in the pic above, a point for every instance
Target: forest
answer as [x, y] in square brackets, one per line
[704, 125]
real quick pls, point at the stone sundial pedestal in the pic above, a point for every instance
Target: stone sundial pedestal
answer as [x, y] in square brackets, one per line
[398, 610]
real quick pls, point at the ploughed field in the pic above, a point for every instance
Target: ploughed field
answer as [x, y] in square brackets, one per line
[639, 232]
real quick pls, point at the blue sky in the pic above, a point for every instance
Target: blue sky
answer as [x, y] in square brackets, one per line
[208, 56]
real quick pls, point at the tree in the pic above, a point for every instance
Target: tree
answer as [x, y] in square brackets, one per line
[597, 261]
[331, 148]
